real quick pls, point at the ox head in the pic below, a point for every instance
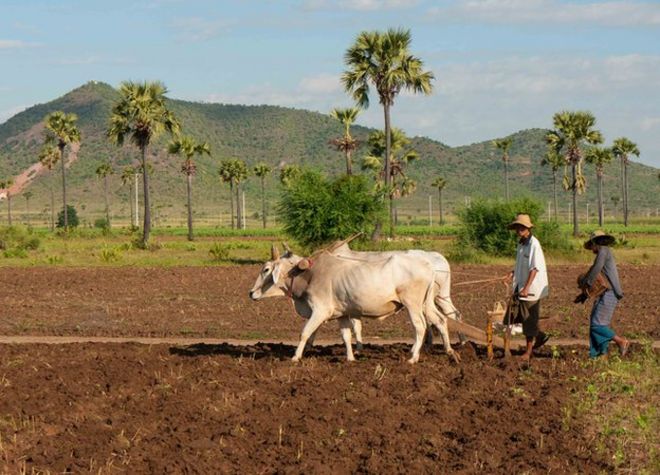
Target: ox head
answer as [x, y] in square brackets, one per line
[271, 281]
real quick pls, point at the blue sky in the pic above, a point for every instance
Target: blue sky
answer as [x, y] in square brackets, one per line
[500, 65]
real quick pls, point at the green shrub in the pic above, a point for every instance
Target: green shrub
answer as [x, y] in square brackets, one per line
[72, 217]
[219, 251]
[315, 210]
[15, 241]
[109, 254]
[101, 223]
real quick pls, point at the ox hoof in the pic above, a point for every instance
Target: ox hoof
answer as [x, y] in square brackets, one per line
[350, 360]
[359, 346]
[295, 359]
[455, 356]
[413, 360]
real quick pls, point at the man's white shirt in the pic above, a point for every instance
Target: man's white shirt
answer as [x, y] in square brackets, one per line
[530, 256]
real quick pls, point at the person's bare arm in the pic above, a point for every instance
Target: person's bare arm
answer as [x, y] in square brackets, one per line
[524, 292]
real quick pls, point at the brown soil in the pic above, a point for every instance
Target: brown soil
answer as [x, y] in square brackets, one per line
[135, 408]
[213, 302]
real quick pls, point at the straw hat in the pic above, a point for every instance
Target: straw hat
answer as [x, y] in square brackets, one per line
[599, 238]
[523, 220]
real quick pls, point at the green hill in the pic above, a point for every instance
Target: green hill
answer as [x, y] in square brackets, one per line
[275, 135]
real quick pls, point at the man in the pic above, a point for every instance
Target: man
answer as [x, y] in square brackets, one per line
[529, 283]
[600, 333]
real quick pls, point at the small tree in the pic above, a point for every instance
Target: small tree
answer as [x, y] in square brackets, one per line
[289, 173]
[234, 171]
[6, 185]
[129, 177]
[346, 144]
[504, 145]
[48, 156]
[61, 130]
[262, 170]
[315, 210]
[71, 218]
[104, 171]
[555, 161]
[622, 149]
[27, 195]
[188, 148]
[440, 184]
[599, 157]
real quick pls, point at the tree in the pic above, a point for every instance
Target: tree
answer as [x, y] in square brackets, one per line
[572, 131]
[188, 148]
[104, 171]
[141, 114]
[72, 215]
[61, 130]
[48, 156]
[439, 183]
[554, 160]
[504, 145]
[262, 170]
[599, 157]
[289, 173]
[400, 157]
[384, 61]
[346, 144]
[5, 185]
[28, 196]
[234, 171]
[622, 148]
[128, 177]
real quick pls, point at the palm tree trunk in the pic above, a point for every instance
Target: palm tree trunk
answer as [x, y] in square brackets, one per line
[66, 211]
[600, 199]
[52, 207]
[576, 226]
[554, 192]
[189, 194]
[130, 203]
[107, 203]
[263, 201]
[388, 178]
[231, 202]
[8, 207]
[440, 204]
[147, 209]
[239, 214]
[623, 190]
[625, 193]
[506, 179]
[349, 167]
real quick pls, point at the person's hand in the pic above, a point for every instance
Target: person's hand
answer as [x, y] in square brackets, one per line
[508, 277]
[523, 293]
[581, 298]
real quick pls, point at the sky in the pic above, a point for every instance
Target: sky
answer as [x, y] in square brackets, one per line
[500, 65]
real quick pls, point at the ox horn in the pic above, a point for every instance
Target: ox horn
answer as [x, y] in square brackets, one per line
[274, 253]
[286, 248]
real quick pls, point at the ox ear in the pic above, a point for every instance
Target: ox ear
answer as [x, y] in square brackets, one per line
[276, 274]
[287, 250]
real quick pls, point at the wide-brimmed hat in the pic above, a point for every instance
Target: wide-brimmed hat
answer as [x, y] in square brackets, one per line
[600, 238]
[523, 220]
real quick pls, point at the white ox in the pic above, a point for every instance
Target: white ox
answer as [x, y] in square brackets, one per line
[335, 287]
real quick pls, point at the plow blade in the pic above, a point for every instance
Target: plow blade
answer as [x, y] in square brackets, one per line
[473, 333]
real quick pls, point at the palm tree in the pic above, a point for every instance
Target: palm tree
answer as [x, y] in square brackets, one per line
[141, 114]
[262, 170]
[188, 148]
[5, 185]
[104, 171]
[288, 173]
[504, 145]
[346, 144]
[622, 148]
[61, 130]
[128, 177]
[384, 61]
[234, 171]
[439, 183]
[599, 157]
[572, 131]
[48, 156]
[27, 195]
[554, 160]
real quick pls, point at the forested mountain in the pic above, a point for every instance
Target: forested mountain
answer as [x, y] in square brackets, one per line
[277, 136]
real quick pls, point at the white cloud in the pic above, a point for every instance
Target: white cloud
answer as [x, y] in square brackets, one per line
[650, 123]
[609, 13]
[200, 29]
[357, 5]
[321, 84]
[13, 44]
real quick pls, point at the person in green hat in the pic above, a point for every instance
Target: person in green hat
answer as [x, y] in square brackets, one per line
[600, 331]
[529, 283]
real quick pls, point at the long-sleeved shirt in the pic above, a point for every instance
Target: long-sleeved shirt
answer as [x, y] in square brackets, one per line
[605, 262]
